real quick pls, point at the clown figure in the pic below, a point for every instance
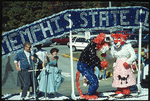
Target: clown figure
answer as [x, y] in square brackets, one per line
[89, 59]
[125, 55]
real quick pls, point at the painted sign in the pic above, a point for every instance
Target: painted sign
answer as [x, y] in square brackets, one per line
[81, 20]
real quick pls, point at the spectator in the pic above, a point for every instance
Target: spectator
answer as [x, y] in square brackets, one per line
[97, 72]
[41, 55]
[136, 53]
[145, 50]
[134, 66]
[53, 74]
[20, 81]
[26, 63]
[142, 57]
[104, 65]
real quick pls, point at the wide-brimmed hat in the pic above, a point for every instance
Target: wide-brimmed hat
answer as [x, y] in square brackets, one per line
[54, 50]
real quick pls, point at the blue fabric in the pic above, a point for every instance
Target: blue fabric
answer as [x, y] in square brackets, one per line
[88, 72]
[24, 64]
[53, 78]
[104, 74]
[28, 80]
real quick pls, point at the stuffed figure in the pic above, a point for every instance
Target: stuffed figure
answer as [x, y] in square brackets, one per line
[87, 61]
[125, 55]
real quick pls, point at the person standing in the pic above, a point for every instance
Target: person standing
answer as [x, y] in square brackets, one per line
[53, 74]
[41, 55]
[104, 65]
[97, 72]
[142, 57]
[26, 63]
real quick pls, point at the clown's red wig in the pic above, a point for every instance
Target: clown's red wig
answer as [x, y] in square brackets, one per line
[100, 38]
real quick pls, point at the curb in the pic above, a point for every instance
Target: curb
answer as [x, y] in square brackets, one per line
[67, 56]
[75, 59]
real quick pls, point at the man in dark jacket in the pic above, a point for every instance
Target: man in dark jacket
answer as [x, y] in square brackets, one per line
[26, 64]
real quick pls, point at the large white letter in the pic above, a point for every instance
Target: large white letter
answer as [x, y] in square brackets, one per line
[83, 18]
[146, 19]
[115, 16]
[57, 25]
[123, 16]
[13, 41]
[47, 28]
[27, 32]
[34, 29]
[66, 17]
[101, 18]
[93, 18]
[5, 39]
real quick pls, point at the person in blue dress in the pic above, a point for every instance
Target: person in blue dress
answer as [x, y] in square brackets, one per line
[50, 82]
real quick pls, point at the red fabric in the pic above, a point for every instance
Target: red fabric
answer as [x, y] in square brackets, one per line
[104, 64]
[119, 91]
[125, 64]
[87, 97]
[119, 38]
[136, 50]
[126, 91]
[100, 38]
[134, 67]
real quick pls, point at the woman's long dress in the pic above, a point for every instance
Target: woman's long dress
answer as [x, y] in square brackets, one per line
[53, 78]
[123, 77]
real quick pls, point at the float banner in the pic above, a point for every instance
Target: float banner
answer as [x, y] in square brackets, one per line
[81, 20]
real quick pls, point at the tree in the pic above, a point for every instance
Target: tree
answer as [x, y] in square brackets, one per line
[18, 13]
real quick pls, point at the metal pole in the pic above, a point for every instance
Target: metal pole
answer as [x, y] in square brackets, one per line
[45, 83]
[109, 3]
[139, 54]
[71, 60]
[34, 81]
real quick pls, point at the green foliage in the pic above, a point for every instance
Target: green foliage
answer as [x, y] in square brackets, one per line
[18, 13]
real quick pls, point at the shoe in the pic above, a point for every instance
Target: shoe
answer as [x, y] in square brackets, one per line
[84, 84]
[22, 98]
[126, 91]
[20, 94]
[28, 94]
[99, 80]
[119, 91]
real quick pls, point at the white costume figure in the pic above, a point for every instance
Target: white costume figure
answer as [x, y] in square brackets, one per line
[122, 74]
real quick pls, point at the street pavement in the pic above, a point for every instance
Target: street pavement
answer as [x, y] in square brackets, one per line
[9, 75]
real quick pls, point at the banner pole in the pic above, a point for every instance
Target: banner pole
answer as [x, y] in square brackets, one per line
[34, 81]
[71, 60]
[139, 54]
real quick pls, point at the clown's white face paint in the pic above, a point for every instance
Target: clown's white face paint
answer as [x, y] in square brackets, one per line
[117, 45]
[104, 48]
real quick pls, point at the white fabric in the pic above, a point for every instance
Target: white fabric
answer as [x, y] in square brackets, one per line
[145, 71]
[28, 54]
[41, 54]
[124, 52]
[104, 49]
